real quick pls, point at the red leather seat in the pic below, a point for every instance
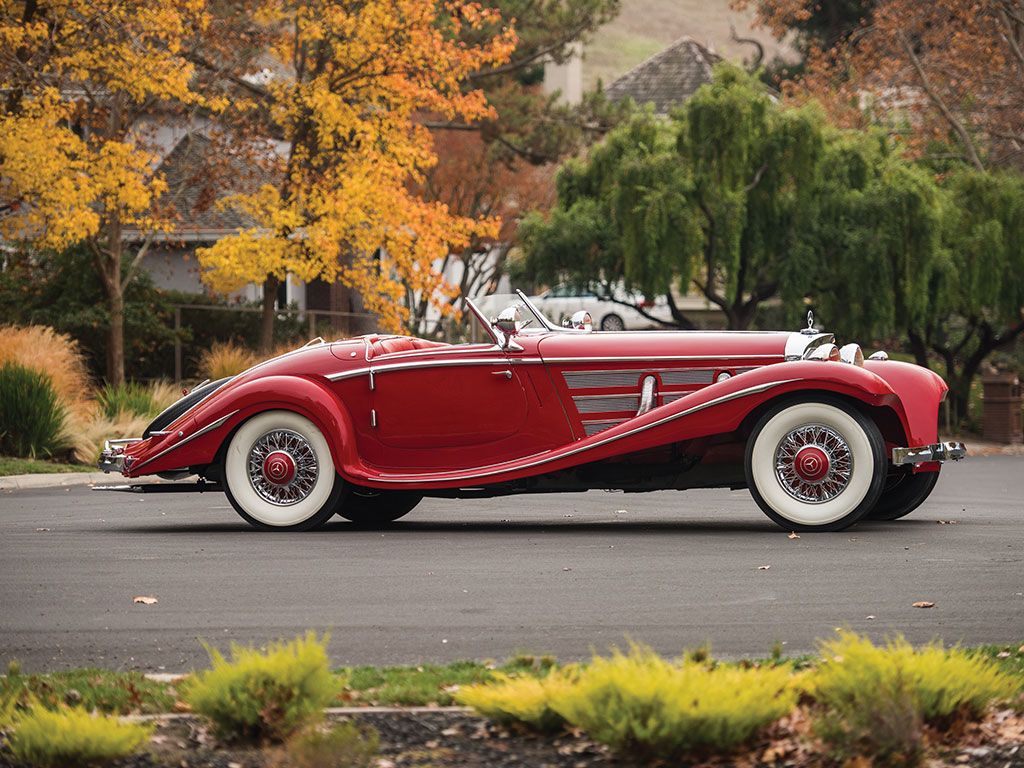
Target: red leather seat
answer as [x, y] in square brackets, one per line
[402, 344]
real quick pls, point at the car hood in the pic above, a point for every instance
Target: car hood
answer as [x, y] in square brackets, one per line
[754, 347]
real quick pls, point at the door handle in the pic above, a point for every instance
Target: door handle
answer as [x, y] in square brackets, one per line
[506, 373]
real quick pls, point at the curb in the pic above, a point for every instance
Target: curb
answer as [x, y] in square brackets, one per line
[66, 479]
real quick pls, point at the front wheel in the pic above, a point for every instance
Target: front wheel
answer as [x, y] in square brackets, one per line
[377, 507]
[279, 474]
[903, 493]
[815, 466]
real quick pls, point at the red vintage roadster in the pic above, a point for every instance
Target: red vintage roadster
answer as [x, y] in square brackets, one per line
[366, 427]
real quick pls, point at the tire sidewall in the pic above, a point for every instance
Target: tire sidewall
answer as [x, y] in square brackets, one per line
[869, 465]
[306, 514]
[910, 493]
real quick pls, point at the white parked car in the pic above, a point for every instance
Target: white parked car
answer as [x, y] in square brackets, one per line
[562, 301]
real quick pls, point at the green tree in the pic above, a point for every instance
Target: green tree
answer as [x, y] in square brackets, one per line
[876, 250]
[717, 196]
[977, 303]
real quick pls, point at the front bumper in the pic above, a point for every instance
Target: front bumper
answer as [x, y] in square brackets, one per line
[112, 458]
[934, 452]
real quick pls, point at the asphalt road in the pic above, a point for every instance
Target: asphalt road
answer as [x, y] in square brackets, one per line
[559, 574]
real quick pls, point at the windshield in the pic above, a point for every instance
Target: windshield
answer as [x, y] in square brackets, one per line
[491, 306]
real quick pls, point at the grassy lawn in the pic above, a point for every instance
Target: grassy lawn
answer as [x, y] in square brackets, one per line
[423, 685]
[12, 466]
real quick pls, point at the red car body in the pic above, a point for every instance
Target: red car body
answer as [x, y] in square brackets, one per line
[546, 411]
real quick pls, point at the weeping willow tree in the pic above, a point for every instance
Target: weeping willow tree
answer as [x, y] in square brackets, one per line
[876, 253]
[714, 198]
[898, 252]
[978, 301]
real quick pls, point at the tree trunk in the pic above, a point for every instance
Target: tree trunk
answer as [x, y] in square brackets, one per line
[269, 311]
[115, 331]
[919, 348]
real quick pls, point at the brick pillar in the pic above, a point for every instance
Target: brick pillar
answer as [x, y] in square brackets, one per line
[1001, 408]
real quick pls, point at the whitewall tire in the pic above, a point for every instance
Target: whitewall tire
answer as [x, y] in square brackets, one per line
[815, 465]
[279, 474]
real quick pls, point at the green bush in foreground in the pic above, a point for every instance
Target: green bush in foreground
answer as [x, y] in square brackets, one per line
[873, 700]
[644, 705]
[518, 699]
[70, 736]
[345, 745]
[31, 415]
[265, 695]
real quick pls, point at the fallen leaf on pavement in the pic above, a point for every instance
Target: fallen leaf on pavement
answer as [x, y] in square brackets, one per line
[763, 567]
[870, 618]
[924, 604]
[947, 522]
[144, 599]
[794, 535]
[41, 530]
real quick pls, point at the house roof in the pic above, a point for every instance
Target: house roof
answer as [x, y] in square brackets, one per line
[667, 78]
[198, 174]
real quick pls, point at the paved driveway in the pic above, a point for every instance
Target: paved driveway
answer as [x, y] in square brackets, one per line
[550, 574]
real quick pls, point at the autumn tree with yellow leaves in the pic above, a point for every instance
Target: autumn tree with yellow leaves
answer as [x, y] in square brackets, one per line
[346, 87]
[79, 82]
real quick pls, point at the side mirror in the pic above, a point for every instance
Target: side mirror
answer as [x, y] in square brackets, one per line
[508, 323]
[509, 320]
[580, 321]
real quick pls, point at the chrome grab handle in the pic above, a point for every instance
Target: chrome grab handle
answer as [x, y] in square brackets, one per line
[506, 373]
[646, 396]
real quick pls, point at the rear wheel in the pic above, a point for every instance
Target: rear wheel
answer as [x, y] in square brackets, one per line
[903, 493]
[612, 323]
[371, 507]
[279, 474]
[815, 466]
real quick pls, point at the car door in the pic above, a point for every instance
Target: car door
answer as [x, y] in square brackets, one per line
[462, 402]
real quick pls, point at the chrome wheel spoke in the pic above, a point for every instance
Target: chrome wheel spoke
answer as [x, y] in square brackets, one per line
[282, 467]
[813, 463]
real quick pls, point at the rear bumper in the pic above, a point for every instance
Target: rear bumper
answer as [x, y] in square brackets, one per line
[934, 452]
[112, 458]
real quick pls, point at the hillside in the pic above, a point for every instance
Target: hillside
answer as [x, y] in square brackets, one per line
[646, 26]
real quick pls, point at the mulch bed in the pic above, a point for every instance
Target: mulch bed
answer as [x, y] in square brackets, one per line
[454, 739]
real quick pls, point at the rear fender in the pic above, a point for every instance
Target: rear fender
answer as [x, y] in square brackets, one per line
[197, 440]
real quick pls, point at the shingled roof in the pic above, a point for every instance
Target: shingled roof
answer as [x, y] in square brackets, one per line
[197, 175]
[668, 78]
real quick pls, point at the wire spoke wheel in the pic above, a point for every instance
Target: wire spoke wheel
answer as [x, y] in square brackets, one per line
[813, 463]
[282, 467]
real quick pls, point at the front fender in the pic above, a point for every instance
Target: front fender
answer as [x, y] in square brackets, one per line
[920, 392]
[197, 439]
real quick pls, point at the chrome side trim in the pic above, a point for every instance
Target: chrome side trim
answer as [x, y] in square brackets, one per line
[496, 469]
[935, 452]
[399, 365]
[595, 379]
[208, 428]
[668, 358]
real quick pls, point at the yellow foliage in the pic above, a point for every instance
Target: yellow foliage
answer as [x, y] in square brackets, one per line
[68, 736]
[344, 210]
[224, 358]
[265, 694]
[943, 681]
[54, 354]
[511, 699]
[60, 186]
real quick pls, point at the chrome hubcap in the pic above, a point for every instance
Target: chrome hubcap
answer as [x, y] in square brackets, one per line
[282, 467]
[813, 463]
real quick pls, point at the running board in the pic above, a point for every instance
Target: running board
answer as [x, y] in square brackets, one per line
[199, 487]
